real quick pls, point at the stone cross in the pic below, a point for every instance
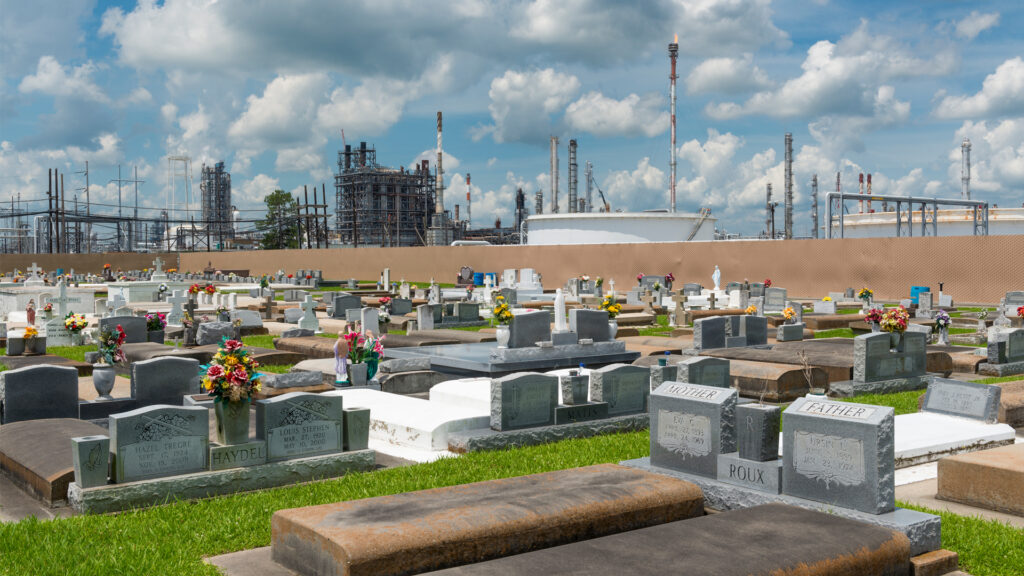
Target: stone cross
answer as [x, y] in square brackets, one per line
[157, 266]
[677, 316]
[648, 299]
[176, 299]
[190, 333]
[308, 320]
[268, 303]
[611, 285]
[35, 270]
[711, 301]
[62, 300]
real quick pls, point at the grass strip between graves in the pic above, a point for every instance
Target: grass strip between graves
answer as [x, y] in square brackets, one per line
[173, 539]
[901, 402]
[834, 333]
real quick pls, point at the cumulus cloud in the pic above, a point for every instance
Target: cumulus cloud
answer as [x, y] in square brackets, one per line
[632, 116]
[32, 30]
[522, 104]
[727, 76]
[1001, 93]
[975, 23]
[643, 188]
[997, 158]
[54, 79]
[253, 191]
[839, 134]
[713, 27]
[451, 163]
[283, 114]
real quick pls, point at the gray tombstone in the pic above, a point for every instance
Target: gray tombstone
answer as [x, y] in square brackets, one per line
[774, 299]
[343, 302]
[840, 453]
[757, 434]
[624, 387]
[370, 319]
[690, 426]
[709, 333]
[296, 333]
[704, 370]
[134, 327]
[467, 311]
[309, 320]
[874, 361]
[247, 318]
[789, 332]
[164, 380]
[37, 392]
[300, 424]
[299, 379]
[158, 441]
[755, 328]
[591, 324]
[425, 316]
[963, 399]
[400, 306]
[292, 315]
[691, 289]
[214, 332]
[523, 400]
[1009, 348]
[90, 457]
[510, 295]
[529, 328]
[757, 289]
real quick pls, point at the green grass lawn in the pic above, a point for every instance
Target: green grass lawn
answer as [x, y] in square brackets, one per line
[847, 310]
[259, 340]
[276, 368]
[173, 539]
[998, 379]
[953, 330]
[835, 333]
[660, 328]
[902, 402]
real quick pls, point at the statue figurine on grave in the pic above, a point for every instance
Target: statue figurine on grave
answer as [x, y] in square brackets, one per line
[30, 312]
[717, 277]
[340, 356]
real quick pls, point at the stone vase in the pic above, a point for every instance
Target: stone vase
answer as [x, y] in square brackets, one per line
[613, 327]
[503, 335]
[77, 339]
[894, 339]
[357, 374]
[156, 336]
[35, 345]
[224, 316]
[232, 422]
[103, 380]
[944, 336]
[15, 346]
[875, 327]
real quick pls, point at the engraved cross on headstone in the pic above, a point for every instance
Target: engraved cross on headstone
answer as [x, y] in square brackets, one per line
[176, 299]
[267, 306]
[62, 300]
[35, 270]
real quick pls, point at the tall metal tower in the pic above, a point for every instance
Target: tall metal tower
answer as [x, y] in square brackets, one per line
[469, 202]
[215, 188]
[538, 207]
[673, 54]
[572, 176]
[554, 174]
[965, 169]
[789, 186]
[814, 206]
[588, 176]
[768, 216]
[439, 186]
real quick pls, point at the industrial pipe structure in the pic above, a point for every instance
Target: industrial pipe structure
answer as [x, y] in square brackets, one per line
[673, 54]
[980, 212]
[554, 174]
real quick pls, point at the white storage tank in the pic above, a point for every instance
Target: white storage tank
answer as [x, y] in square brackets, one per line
[618, 228]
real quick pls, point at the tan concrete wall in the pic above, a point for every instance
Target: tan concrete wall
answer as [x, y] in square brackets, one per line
[972, 268]
[86, 263]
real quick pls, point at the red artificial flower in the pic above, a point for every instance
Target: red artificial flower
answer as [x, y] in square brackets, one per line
[239, 376]
[232, 345]
[215, 371]
[767, 282]
[309, 276]
[289, 275]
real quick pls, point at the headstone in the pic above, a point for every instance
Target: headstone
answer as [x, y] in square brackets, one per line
[755, 329]
[158, 441]
[828, 307]
[963, 399]
[709, 333]
[344, 302]
[1008, 348]
[467, 311]
[292, 315]
[690, 426]
[691, 289]
[789, 333]
[164, 380]
[309, 320]
[624, 387]
[529, 328]
[401, 306]
[425, 316]
[214, 332]
[523, 400]
[296, 333]
[874, 361]
[757, 434]
[91, 459]
[704, 370]
[575, 388]
[370, 319]
[247, 318]
[592, 324]
[134, 327]
[37, 392]
[300, 379]
[300, 424]
[774, 299]
[840, 453]
[177, 299]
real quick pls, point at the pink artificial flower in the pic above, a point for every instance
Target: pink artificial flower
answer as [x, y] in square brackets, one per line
[215, 371]
[232, 345]
[240, 376]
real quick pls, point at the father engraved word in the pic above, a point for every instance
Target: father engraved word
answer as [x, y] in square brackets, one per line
[836, 410]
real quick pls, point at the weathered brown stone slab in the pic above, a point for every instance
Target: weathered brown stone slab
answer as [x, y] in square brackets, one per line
[990, 479]
[774, 382]
[837, 365]
[414, 532]
[635, 319]
[1011, 404]
[36, 454]
[830, 321]
[468, 336]
[768, 539]
[15, 362]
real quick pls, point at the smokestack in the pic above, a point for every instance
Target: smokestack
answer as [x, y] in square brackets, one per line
[869, 195]
[469, 202]
[965, 169]
[789, 187]
[497, 222]
[456, 212]
[538, 207]
[673, 54]
[572, 175]
[768, 211]
[588, 175]
[860, 190]
[362, 153]
[814, 205]
[439, 186]
[554, 174]
[348, 156]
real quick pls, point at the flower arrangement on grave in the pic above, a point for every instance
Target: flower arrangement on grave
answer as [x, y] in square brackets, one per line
[611, 306]
[122, 278]
[657, 286]
[210, 289]
[231, 375]
[110, 346]
[599, 282]
[1020, 311]
[384, 301]
[157, 321]
[31, 332]
[941, 321]
[222, 310]
[873, 315]
[670, 278]
[106, 266]
[365, 348]
[309, 276]
[290, 276]
[501, 313]
[75, 323]
[264, 282]
[639, 277]
[767, 282]
[826, 299]
[788, 313]
[895, 320]
[48, 307]
[163, 287]
[585, 278]
[751, 310]
[865, 294]
[172, 270]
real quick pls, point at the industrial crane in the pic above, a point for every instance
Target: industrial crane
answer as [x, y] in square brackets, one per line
[607, 208]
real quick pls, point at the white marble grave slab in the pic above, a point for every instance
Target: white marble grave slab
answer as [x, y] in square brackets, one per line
[926, 437]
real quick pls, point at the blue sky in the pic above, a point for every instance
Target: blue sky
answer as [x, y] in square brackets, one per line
[880, 87]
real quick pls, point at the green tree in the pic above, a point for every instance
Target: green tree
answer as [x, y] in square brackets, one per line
[280, 227]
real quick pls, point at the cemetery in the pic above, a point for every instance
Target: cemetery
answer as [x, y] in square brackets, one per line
[529, 419]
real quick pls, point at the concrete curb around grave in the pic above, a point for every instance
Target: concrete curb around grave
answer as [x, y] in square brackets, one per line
[145, 493]
[849, 388]
[478, 440]
[1007, 369]
[923, 530]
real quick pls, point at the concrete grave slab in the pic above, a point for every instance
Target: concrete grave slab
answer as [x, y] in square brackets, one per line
[691, 425]
[927, 437]
[36, 454]
[989, 479]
